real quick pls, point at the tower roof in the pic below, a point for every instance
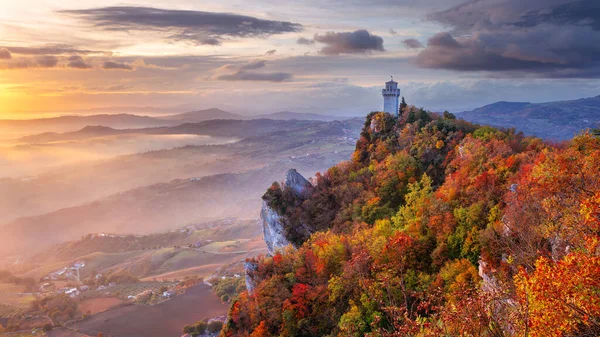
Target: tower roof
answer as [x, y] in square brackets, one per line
[391, 81]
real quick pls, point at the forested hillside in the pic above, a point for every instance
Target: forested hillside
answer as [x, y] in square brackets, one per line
[436, 227]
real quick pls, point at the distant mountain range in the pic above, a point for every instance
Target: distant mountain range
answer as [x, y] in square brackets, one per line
[209, 114]
[18, 128]
[558, 120]
[552, 120]
[201, 115]
[213, 127]
[288, 115]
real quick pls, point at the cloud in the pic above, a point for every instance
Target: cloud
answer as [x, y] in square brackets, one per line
[202, 28]
[239, 72]
[412, 44]
[47, 61]
[514, 38]
[5, 54]
[112, 65]
[252, 76]
[271, 52]
[360, 41]
[305, 41]
[252, 65]
[77, 62]
[210, 41]
[49, 49]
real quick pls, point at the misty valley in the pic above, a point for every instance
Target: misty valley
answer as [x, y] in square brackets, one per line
[113, 219]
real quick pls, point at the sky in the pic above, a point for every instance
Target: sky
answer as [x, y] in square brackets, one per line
[322, 56]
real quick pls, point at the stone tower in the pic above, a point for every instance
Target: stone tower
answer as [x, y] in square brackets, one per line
[391, 93]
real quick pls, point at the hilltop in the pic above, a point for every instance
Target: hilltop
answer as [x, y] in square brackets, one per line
[433, 227]
[558, 120]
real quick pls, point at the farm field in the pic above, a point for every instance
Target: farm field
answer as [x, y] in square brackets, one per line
[162, 320]
[200, 271]
[16, 300]
[9, 311]
[95, 261]
[99, 304]
[11, 288]
[125, 290]
[62, 332]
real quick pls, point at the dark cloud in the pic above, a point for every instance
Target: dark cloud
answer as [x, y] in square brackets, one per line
[305, 41]
[77, 62]
[5, 54]
[252, 76]
[49, 49]
[47, 61]
[271, 52]
[241, 73]
[412, 44]
[194, 26]
[253, 65]
[210, 41]
[540, 38]
[111, 65]
[360, 41]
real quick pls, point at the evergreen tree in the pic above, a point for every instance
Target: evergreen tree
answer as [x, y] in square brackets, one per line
[403, 105]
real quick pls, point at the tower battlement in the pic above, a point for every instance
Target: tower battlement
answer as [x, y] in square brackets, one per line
[391, 94]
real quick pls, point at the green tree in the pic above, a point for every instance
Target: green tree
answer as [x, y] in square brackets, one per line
[215, 326]
[403, 105]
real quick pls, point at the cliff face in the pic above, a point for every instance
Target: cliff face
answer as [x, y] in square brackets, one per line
[272, 222]
[250, 267]
[273, 232]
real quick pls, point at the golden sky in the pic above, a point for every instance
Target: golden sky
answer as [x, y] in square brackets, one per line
[328, 56]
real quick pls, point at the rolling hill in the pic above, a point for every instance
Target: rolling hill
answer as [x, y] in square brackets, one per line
[17, 128]
[201, 115]
[214, 127]
[50, 127]
[157, 203]
[85, 133]
[286, 115]
[558, 120]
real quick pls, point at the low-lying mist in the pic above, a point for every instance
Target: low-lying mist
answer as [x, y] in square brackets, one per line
[22, 159]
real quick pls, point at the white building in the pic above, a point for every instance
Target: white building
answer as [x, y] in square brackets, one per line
[73, 292]
[169, 293]
[391, 94]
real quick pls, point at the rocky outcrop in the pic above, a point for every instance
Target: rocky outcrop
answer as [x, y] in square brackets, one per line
[273, 230]
[272, 222]
[250, 267]
[302, 187]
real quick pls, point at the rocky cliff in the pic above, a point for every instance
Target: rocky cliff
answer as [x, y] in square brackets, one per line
[302, 187]
[250, 267]
[273, 223]
[273, 229]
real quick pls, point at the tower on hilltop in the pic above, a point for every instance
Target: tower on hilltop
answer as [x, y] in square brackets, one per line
[391, 93]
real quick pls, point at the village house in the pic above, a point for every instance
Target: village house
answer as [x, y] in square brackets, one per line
[169, 294]
[73, 292]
